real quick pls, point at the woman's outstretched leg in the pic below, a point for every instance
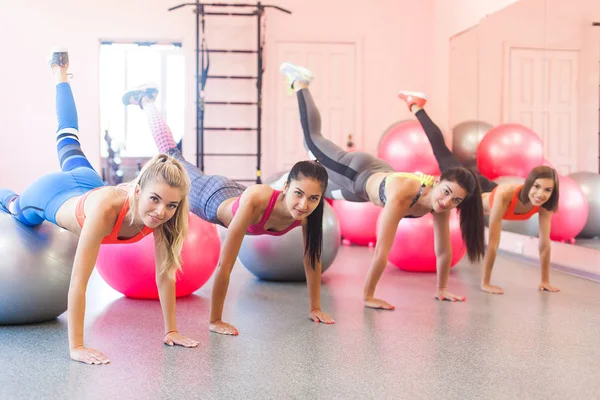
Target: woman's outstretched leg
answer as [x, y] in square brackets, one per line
[207, 191]
[444, 156]
[347, 171]
[39, 201]
[144, 96]
[68, 147]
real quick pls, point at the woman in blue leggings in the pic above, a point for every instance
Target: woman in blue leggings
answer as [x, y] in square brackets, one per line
[77, 200]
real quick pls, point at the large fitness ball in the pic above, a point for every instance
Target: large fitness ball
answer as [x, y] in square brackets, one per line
[35, 270]
[466, 137]
[509, 149]
[280, 258]
[589, 182]
[130, 268]
[413, 249]
[406, 148]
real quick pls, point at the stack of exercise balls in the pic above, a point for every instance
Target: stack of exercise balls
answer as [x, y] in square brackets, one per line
[505, 153]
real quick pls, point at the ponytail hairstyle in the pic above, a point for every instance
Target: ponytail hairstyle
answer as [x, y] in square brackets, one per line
[314, 225]
[470, 211]
[541, 172]
[166, 169]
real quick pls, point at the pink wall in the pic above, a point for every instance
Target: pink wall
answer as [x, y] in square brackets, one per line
[550, 24]
[392, 58]
[450, 18]
[28, 30]
[401, 44]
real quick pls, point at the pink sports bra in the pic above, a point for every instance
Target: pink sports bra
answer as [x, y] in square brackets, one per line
[113, 237]
[259, 229]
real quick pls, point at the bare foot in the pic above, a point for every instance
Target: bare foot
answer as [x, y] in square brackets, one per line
[548, 287]
[223, 328]
[492, 289]
[378, 304]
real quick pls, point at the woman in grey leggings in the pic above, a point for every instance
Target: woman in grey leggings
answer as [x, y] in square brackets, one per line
[360, 177]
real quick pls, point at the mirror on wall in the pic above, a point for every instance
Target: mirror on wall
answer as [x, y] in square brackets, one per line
[525, 91]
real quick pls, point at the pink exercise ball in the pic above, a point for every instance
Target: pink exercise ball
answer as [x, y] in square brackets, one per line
[406, 148]
[573, 210]
[358, 221]
[509, 150]
[130, 268]
[413, 250]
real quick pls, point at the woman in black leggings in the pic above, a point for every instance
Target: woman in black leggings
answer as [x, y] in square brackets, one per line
[361, 177]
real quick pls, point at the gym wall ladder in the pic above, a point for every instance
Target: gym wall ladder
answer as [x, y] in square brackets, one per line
[202, 65]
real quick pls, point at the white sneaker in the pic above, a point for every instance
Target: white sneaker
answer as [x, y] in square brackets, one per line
[295, 73]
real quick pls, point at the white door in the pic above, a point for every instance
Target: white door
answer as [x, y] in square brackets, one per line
[542, 94]
[334, 91]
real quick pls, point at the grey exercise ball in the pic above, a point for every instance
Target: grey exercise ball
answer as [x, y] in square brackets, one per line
[277, 180]
[280, 258]
[529, 227]
[589, 183]
[466, 136]
[35, 271]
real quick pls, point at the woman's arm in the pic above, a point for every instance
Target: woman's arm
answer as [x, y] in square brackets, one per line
[495, 229]
[443, 253]
[545, 218]
[396, 207]
[166, 294]
[97, 226]
[313, 282]
[250, 208]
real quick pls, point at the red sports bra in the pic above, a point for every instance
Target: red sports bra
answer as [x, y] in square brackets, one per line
[510, 212]
[259, 228]
[113, 237]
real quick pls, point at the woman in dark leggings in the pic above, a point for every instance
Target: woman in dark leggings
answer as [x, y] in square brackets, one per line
[538, 194]
[361, 177]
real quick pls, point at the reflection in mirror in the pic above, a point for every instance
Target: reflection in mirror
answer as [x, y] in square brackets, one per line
[524, 91]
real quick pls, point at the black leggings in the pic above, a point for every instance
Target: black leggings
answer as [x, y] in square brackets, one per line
[445, 158]
[348, 172]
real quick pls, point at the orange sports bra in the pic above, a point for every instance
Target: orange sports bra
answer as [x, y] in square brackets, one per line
[113, 237]
[510, 212]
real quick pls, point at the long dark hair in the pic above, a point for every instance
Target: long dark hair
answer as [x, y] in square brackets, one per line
[470, 211]
[541, 172]
[314, 225]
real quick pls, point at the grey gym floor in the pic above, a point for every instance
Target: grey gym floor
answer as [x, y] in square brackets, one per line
[522, 345]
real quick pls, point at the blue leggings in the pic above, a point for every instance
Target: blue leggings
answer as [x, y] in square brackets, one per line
[42, 199]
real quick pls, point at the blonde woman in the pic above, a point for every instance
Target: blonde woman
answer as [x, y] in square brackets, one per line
[77, 200]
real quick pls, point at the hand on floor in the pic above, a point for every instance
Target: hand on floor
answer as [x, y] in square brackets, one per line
[174, 338]
[548, 287]
[492, 289]
[379, 304]
[445, 295]
[88, 356]
[223, 328]
[320, 316]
